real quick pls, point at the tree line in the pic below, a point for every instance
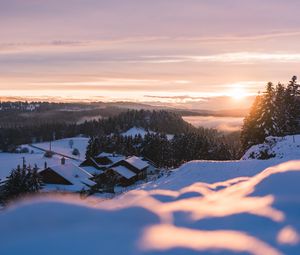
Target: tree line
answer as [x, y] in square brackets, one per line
[161, 121]
[166, 151]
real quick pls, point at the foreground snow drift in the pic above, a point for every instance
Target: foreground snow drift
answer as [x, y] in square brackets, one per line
[256, 215]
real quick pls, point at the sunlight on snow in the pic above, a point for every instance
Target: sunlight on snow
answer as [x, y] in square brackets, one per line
[199, 201]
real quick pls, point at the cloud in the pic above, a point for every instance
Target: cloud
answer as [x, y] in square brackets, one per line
[182, 97]
[231, 57]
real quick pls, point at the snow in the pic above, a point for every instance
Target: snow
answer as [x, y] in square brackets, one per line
[137, 162]
[74, 174]
[137, 131]
[125, 172]
[256, 214]
[62, 146]
[9, 161]
[105, 154]
[248, 206]
[114, 158]
[287, 147]
[134, 131]
[92, 170]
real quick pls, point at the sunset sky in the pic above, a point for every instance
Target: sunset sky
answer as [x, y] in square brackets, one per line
[191, 53]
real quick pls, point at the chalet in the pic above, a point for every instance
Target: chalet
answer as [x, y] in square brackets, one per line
[125, 172]
[152, 168]
[122, 175]
[67, 177]
[135, 165]
[98, 164]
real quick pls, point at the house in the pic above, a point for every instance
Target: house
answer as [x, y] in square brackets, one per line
[96, 165]
[68, 177]
[152, 168]
[122, 175]
[135, 165]
[125, 172]
[115, 168]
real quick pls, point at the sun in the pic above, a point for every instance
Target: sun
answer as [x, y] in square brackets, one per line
[238, 93]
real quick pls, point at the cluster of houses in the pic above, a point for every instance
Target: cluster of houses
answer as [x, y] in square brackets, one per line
[106, 169]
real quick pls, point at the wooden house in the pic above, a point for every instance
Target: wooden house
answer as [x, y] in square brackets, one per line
[96, 165]
[67, 177]
[135, 165]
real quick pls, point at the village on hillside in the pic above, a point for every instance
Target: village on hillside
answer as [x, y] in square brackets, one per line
[62, 171]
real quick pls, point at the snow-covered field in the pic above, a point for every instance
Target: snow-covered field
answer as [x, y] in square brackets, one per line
[10, 161]
[142, 132]
[204, 207]
[63, 146]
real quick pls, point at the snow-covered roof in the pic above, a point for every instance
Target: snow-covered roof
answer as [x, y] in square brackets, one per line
[105, 154]
[74, 174]
[137, 162]
[114, 158]
[124, 171]
[92, 170]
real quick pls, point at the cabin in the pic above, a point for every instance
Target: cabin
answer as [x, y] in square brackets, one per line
[152, 168]
[96, 165]
[67, 177]
[122, 175]
[110, 167]
[135, 165]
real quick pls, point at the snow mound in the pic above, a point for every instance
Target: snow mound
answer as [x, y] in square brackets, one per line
[255, 215]
[287, 147]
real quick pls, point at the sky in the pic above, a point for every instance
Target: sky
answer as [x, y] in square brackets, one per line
[207, 54]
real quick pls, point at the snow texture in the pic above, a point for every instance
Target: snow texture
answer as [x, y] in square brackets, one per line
[75, 175]
[123, 171]
[137, 162]
[204, 207]
[287, 147]
[255, 215]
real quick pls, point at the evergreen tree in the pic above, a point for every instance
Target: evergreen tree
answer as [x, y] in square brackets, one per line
[266, 121]
[20, 182]
[292, 104]
[281, 113]
[251, 131]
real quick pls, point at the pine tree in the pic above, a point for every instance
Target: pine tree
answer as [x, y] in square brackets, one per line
[281, 113]
[292, 103]
[20, 182]
[251, 132]
[93, 147]
[266, 122]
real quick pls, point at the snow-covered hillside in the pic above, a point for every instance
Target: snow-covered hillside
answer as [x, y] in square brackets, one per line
[287, 147]
[255, 215]
[247, 206]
